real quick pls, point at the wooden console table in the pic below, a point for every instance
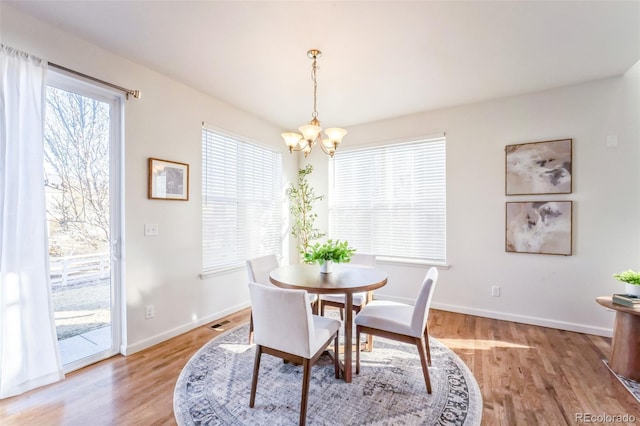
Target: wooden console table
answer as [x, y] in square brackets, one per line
[625, 348]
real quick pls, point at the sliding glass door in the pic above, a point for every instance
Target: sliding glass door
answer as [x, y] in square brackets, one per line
[82, 163]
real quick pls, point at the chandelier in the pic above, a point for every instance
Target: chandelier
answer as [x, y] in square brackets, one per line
[311, 132]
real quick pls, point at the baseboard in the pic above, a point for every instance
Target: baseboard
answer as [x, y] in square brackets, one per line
[504, 316]
[159, 338]
[523, 319]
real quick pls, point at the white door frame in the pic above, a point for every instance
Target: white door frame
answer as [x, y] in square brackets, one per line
[115, 99]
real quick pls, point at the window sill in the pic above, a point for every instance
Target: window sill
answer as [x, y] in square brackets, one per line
[411, 262]
[221, 271]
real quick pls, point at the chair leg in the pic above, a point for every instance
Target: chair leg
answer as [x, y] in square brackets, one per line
[254, 381]
[336, 361]
[420, 343]
[358, 350]
[341, 314]
[426, 340]
[251, 329]
[321, 307]
[368, 298]
[306, 376]
[368, 346]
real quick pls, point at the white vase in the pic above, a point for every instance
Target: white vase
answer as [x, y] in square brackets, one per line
[632, 289]
[327, 267]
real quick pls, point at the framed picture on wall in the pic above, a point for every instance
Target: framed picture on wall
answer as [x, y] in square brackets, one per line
[168, 180]
[542, 227]
[539, 168]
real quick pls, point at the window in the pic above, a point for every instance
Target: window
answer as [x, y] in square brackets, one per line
[391, 200]
[241, 201]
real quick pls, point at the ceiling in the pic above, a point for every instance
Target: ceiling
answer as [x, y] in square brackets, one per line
[380, 59]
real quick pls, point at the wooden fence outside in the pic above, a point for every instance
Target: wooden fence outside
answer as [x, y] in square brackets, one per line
[84, 267]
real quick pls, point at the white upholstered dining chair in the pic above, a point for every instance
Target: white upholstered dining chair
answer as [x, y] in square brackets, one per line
[302, 341]
[398, 321]
[359, 299]
[258, 270]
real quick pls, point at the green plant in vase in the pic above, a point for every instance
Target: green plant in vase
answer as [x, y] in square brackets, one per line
[631, 280]
[328, 253]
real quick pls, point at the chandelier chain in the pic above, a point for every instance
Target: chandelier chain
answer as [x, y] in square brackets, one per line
[314, 69]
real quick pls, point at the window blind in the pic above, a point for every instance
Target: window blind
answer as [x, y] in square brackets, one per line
[241, 201]
[391, 201]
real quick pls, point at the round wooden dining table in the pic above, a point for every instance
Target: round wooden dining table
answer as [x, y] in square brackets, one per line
[345, 279]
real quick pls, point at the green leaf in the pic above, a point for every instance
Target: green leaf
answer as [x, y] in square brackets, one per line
[628, 276]
[336, 251]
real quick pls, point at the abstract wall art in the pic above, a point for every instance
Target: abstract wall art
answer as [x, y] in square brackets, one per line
[539, 168]
[542, 227]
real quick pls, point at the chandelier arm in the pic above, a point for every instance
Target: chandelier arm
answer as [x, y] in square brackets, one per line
[324, 149]
[300, 148]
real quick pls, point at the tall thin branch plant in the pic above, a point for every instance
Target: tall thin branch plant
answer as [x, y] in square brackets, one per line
[302, 198]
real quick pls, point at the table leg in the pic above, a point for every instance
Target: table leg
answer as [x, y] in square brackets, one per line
[625, 348]
[348, 336]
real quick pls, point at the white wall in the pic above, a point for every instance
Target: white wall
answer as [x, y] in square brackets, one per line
[539, 289]
[555, 291]
[165, 123]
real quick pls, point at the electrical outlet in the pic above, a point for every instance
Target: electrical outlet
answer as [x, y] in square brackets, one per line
[151, 230]
[495, 290]
[149, 312]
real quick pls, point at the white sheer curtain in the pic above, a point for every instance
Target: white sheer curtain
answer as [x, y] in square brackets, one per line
[29, 354]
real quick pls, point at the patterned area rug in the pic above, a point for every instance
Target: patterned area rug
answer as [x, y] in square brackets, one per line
[632, 386]
[214, 388]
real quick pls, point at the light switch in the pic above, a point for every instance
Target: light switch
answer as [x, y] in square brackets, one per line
[151, 230]
[612, 141]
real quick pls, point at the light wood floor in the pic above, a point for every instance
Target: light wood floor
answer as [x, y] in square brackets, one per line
[528, 376]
